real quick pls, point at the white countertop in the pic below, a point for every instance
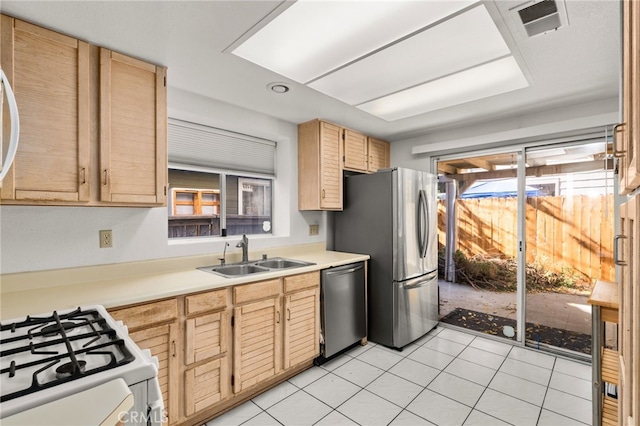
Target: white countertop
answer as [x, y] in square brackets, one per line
[135, 282]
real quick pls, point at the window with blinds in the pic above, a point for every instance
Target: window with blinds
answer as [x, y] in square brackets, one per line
[220, 182]
[198, 145]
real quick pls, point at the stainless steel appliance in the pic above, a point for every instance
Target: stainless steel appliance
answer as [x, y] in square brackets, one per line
[391, 215]
[343, 315]
[46, 357]
[14, 123]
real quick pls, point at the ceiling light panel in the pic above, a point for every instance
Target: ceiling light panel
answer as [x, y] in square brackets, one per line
[462, 42]
[500, 76]
[313, 37]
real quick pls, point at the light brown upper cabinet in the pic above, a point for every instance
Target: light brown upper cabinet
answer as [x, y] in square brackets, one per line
[92, 122]
[355, 151]
[364, 154]
[324, 151]
[627, 134]
[49, 73]
[319, 166]
[379, 155]
[133, 130]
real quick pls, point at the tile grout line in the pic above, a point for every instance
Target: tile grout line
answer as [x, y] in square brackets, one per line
[485, 389]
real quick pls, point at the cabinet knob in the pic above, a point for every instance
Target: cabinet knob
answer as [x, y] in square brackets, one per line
[323, 194]
[278, 312]
[83, 174]
[105, 175]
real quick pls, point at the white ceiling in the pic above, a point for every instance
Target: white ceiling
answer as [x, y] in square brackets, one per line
[576, 64]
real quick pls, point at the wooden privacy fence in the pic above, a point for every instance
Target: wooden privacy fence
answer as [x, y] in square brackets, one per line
[574, 231]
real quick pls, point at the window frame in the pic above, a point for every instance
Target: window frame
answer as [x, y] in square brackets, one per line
[222, 191]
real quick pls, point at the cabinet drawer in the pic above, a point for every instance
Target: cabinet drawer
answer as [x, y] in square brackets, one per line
[298, 282]
[203, 302]
[256, 291]
[206, 336]
[148, 314]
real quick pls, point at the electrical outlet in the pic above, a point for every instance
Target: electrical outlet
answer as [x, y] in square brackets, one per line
[106, 238]
[314, 229]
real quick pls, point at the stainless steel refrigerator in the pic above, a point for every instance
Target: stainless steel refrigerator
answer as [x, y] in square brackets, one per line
[391, 215]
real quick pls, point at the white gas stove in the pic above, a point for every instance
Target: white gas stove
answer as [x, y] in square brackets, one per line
[49, 356]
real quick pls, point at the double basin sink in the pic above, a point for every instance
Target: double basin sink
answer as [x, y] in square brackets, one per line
[255, 267]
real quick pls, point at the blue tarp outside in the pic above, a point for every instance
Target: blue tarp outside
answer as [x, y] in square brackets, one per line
[497, 189]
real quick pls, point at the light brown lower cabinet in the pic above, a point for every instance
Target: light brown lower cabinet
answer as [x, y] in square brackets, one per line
[301, 334]
[629, 300]
[154, 326]
[205, 385]
[216, 349]
[257, 344]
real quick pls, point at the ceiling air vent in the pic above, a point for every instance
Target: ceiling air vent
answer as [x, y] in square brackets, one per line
[542, 16]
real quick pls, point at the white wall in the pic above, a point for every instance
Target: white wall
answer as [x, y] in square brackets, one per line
[39, 237]
[415, 152]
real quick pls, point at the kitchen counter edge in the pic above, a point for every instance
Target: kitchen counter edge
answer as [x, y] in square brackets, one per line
[119, 290]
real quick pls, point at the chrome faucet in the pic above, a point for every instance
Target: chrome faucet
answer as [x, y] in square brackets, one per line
[244, 243]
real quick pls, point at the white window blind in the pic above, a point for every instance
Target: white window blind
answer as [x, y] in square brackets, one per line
[195, 144]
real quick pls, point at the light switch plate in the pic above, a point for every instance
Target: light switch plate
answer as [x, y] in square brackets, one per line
[314, 229]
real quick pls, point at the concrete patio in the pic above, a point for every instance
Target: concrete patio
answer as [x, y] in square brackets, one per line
[561, 311]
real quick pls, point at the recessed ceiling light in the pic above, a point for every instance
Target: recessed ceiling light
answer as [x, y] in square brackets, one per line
[278, 87]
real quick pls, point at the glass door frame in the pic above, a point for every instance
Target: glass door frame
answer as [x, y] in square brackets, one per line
[519, 151]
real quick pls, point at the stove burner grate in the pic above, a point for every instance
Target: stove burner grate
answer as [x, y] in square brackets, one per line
[53, 329]
[114, 348]
[69, 369]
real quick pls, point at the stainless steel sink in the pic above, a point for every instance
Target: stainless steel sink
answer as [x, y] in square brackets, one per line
[281, 263]
[254, 267]
[234, 270]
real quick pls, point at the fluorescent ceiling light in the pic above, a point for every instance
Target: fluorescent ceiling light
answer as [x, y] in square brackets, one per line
[392, 59]
[312, 37]
[500, 76]
[440, 50]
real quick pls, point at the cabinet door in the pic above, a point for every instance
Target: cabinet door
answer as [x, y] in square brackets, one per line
[133, 133]
[301, 327]
[205, 337]
[161, 341]
[205, 385]
[379, 155]
[154, 326]
[629, 295]
[330, 168]
[49, 73]
[355, 151]
[628, 134]
[257, 343]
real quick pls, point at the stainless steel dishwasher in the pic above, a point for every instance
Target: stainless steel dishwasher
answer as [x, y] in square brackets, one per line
[343, 307]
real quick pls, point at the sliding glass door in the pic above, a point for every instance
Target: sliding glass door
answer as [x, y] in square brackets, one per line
[478, 224]
[524, 234]
[568, 238]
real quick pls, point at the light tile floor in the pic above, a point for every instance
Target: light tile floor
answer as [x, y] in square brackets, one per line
[447, 378]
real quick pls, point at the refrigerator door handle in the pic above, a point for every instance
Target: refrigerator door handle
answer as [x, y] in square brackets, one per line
[423, 223]
[420, 282]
